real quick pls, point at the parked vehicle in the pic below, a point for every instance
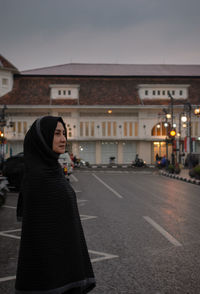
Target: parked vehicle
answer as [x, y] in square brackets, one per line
[138, 162]
[13, 169]
[66, 163]
[3, 189]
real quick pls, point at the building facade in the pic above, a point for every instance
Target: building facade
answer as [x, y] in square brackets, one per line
[110, 110]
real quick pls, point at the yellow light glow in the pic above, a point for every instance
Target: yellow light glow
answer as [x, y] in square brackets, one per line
[184, 118]
[109, 111]
[173, 133]
[197, 111]
[168, 115]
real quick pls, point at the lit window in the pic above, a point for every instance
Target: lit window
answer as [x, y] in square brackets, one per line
[103, 128]
[114, 128]
[136, 129]
[87, 128]
[125, 129]
[19, 124]
[109, 129]
[81, 129]
[130, 129]
[92, 129]
[25, 127]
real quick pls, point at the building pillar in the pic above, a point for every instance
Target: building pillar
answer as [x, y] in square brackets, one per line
[98, 152]
[144, 151]
[75, 149]
[120, 153]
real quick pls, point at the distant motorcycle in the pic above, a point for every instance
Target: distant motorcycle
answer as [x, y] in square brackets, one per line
[3, 190]
[138, 162]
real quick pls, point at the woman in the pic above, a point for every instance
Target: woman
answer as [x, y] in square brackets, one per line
[53, 255]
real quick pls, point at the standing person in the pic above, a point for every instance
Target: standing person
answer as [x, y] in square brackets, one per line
[53, 255]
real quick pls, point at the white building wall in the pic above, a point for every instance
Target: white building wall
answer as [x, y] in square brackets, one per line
[4, 89]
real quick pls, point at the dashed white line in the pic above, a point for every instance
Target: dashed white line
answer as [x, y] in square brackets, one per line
[86, 217]
[169, 237]
[74, 178]
[107, 186]
[7, 206]
[103, 255]
[7, 278]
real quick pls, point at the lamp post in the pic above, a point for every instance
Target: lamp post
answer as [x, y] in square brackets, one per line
[172, 131]
[197, 111]
[2, 125]
[188, 110]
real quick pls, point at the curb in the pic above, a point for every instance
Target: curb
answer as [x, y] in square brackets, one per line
[177, 177]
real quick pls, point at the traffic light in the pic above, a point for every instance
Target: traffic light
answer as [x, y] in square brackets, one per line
[172, 133]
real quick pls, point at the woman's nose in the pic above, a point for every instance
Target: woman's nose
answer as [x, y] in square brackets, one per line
[63, 138]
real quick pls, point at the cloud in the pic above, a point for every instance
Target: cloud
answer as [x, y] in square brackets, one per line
[48, 32]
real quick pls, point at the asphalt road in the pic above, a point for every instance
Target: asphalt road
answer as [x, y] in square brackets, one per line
[142, 231]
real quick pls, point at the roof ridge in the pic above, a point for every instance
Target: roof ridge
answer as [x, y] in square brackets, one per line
[8, 65]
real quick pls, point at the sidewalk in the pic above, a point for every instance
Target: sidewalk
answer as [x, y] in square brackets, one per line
[183, 176]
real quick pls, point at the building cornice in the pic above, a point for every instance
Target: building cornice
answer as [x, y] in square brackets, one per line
[91, 106]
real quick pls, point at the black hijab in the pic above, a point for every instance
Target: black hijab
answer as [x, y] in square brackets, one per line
[53, 255]
[39, 140]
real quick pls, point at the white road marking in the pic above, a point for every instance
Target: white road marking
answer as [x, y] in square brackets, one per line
[81, 200]
[74, 178]
[7, 234]
[7, 279]
[7, 206]
[103, 255]
[107, 186]
[11, 231]
[86, 217]
[169, 237]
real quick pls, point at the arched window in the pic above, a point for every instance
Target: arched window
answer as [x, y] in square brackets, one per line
[160, 129]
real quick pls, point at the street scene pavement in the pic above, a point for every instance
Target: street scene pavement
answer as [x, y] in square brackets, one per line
[142, 231]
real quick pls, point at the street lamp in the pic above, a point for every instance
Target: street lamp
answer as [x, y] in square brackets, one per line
[2, 125]
[188, 109]
[184, 118]
[197, 111]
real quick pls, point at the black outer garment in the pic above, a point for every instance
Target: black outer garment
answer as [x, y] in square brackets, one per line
[53, 255]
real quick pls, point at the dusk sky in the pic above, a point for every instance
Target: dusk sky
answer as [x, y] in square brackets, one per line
[40, 33]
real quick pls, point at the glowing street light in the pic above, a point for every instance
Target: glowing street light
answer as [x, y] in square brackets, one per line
[197, 111]
[168, 115]
[184, 118]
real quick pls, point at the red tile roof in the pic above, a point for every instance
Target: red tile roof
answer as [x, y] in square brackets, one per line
[5, 64]
[35, 90]
[84, 69]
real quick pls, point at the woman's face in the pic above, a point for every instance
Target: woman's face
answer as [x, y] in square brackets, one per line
[59, 139]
